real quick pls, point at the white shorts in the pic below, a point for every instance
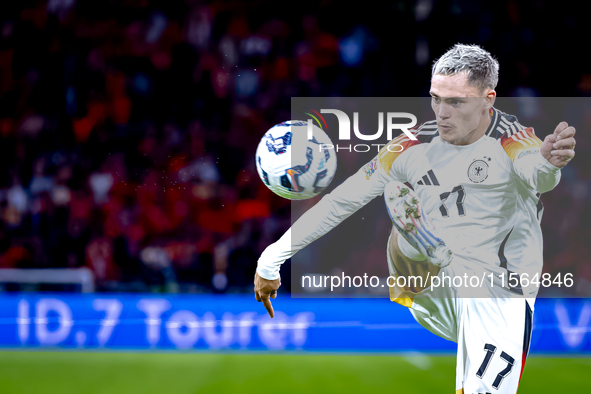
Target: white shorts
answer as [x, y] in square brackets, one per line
[493, 333]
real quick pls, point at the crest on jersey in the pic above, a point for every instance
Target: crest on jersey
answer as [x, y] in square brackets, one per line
[478, 171]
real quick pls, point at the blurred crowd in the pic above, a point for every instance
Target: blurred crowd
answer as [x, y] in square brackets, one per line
[128, 128]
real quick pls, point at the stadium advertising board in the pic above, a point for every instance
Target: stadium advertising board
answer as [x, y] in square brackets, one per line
[191, 322]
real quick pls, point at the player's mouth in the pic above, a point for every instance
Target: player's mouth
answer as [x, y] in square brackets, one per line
[444, 127]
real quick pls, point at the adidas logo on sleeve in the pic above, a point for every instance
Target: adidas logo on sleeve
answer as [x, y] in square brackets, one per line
[429, 179]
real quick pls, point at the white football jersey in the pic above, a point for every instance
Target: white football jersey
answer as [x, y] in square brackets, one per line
[484, 198]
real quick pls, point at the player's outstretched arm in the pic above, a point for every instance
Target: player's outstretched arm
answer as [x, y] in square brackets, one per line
[359, 189]
[335, 207]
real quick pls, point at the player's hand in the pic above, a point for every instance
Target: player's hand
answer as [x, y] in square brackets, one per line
[264, 290]
[559, 148]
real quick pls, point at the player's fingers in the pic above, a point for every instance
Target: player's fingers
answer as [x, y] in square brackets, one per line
[568, 143]
[566, 154]
[274, 294]
[566, 133]
[257, 296]
[561, 126]
[268, 305]
[550, 138]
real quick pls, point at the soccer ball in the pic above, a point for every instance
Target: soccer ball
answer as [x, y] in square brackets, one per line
[293, 166]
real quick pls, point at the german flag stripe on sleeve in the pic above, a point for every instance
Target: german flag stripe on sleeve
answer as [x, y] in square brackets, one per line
[393, 149]
[522, 143]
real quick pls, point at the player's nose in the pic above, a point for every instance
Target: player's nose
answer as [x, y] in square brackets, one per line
[443, 112]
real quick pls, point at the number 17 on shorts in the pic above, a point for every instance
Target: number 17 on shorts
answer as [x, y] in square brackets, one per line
[492, 345]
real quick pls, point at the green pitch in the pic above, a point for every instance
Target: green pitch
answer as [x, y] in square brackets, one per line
[110, 373]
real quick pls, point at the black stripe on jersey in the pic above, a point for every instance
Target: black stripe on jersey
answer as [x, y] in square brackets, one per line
[429, 179]
[517, 288]
[540, 207]
[527, 332]
[503, 124]
[502, 257]
[506, 127]
[433, 178]
[515, 129]
[512, 128]
[503, 264]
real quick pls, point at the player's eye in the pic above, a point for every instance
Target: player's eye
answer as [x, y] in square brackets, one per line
[436, 100]
[455, 102]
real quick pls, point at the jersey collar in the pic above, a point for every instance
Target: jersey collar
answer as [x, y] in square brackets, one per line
[494, 121]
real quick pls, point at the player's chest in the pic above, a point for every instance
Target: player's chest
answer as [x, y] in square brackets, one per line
[469, 177]
[471, 170]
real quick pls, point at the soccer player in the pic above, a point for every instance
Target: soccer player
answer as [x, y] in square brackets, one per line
[473, 211]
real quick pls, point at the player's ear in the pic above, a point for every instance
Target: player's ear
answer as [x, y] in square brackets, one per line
[490, 97]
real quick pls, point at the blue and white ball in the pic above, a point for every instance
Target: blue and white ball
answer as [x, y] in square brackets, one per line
[293, 166]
